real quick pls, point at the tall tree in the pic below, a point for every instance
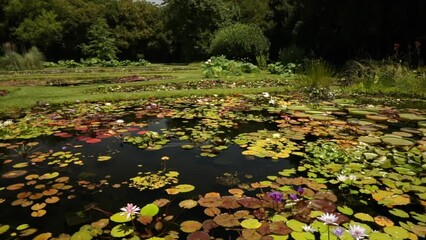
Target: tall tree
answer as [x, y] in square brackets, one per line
[101, 43]
[192, 23]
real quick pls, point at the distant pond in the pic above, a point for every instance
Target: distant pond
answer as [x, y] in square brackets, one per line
[221, 167]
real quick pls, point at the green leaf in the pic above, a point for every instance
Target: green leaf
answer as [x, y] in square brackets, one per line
[364, 217]
[295, 225]
[345, 210]
[251, 223]
[121, 218]
[121, 230]
[396, 232]
[399, 213]
[4, 228]
[379, 236]
[302, 236]
[150, 210]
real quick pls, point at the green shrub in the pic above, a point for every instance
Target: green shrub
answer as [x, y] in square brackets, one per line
[278, 68]
[221, 66]
[240, 42]
[33, 59]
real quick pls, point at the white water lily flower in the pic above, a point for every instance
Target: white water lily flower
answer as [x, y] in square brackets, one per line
[276, 135]
[342, 178]
[272, 101]
[7, 123]
[120, 121]
[352, 177]
[107, 104]
[328, 218]
[308, 228]
[357, 232]
[265, 94]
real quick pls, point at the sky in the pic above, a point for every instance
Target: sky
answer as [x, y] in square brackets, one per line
[156, 1]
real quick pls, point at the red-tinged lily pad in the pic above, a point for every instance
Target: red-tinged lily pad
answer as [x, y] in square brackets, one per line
[38, 206]
[39, 213]
[63, 135]
[210, 201]
[250, 202]
[212, 211]
[93, 140]
[229, 202]
[14, 174]
[199, 235]
[188, 204]
[100, 223]
[226, 220]
[51, 200]
[15, 186]
[23, 195]
[190, 226]
[323, 205]
[279, 228]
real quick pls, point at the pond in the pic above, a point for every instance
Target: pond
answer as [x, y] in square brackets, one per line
[234, 167]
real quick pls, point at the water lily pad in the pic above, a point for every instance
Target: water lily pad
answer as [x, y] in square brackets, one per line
[183, 188]
[295, 225]
[199, 235]
[369, 140]
[14, 174]
[251, 224]
[190, 226]
[396, 141]
[379, 236]
[412, 117]
[188, 204]
[226, 220]
[43, 236]
[4, 228]
[22, 227]
[397, 232]
[345, 210]
[121, 230]
[149, 210]
[383, 221]
[104, 158]
[121, 218]
[399, 213]
[364, 217]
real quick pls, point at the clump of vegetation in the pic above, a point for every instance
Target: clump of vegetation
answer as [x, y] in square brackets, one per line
[241, 41]
[384, 77]
[280, 69]
[317, 80]
[14, 61]
[221, 66]
[96, 62]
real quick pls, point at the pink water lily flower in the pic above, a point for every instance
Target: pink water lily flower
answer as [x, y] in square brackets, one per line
[129, 210]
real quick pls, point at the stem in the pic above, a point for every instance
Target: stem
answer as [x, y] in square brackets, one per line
[328, 230]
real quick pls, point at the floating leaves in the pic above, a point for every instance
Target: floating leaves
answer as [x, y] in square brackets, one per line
[190, 226]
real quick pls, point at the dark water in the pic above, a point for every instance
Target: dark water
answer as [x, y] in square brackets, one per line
[127, 161]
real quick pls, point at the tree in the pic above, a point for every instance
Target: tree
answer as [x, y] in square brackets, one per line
[240, 41]
[192, 23]
[41, 31]
[101, 44]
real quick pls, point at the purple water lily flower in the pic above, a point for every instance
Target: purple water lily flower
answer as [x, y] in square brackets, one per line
[293, 197]
[300, 190]
[276, 196]
[338, 231]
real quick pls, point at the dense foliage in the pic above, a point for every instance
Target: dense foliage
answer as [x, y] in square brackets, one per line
[181, 30]
[240, 41]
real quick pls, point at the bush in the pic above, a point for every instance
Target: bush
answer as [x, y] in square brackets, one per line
[278, 68]
[14, 61]
[240, 42]
[221, 66]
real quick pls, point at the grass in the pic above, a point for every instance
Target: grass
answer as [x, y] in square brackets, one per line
[31, 89]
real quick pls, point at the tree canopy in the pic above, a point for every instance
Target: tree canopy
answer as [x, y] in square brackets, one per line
[182, 30]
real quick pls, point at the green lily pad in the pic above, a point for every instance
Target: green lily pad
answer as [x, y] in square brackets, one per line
[364, 217]
[251, 224]
[121, 218]
[369, 140]
[379, 236]
[321, 117]
[278, 237]
[422, 124]
[412, 117]
[187, 146]
[396, 141]
[295, 225]
[149, 210]
[4, 228]
[345, 210]
[399, 213]
[22, 227]
[397, 232]
[303, 236]
[121, 230]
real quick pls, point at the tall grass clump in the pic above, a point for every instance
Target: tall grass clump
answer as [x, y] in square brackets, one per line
[384, 77]
[13, 61]
[317, 80]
